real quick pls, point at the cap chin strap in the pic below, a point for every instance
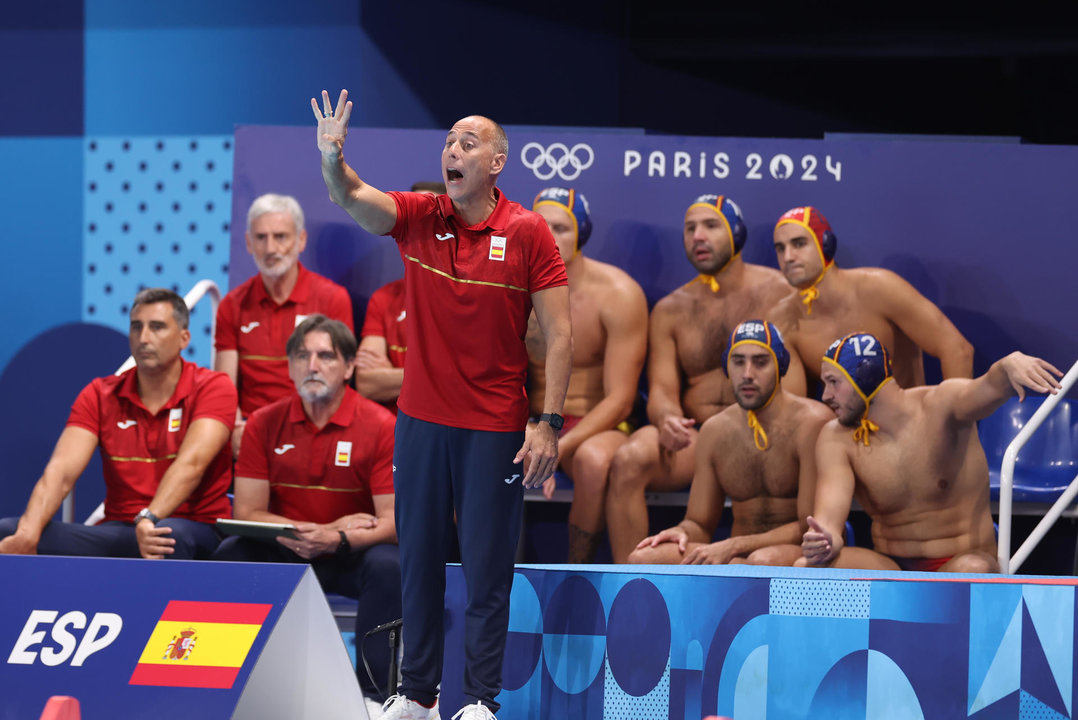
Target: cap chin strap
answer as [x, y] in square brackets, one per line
[810, 294]
[708, 280]
[867, 427]
[861, 434]
[759, 437]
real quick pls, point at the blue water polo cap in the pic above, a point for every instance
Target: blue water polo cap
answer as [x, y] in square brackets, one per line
[571, 202]
[730, 213]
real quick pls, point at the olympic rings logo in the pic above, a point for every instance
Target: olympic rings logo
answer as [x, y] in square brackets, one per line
[558, 159]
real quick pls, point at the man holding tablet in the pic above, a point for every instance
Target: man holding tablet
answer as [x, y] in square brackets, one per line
[321, 460]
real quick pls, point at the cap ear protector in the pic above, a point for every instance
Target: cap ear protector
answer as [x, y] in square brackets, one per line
[813, 220]
[828, 244]
[730, 213]
[758, 332]
[571, 202]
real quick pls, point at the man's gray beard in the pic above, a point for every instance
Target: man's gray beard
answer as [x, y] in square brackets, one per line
[313, 397]
[279, 270]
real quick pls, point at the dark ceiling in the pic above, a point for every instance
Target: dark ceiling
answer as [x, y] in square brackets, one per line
[869, 67]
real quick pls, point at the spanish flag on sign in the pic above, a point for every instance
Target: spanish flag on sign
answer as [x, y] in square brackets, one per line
[199, 644]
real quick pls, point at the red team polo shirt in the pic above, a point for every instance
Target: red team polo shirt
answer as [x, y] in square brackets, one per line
[387, 318]
[468, 297]
[250, 322]
[137, 447]
[320, 475]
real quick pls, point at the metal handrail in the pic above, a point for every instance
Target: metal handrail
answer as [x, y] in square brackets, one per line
[200, 290]
[1009, 564]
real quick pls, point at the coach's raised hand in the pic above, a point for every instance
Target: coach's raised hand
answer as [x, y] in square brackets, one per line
[332, 124]
[372, 209]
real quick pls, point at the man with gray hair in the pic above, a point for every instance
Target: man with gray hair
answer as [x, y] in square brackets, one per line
[255, 319]
[163, 429]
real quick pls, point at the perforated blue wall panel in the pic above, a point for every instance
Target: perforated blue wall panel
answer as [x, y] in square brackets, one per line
[157, 214]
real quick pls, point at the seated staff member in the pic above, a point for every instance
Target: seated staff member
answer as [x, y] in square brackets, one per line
[255, 319]
[322, 460]
[163, 429]
[833, 301]
[610, 320]
[760, 453]
[913, 461]
[383, 341]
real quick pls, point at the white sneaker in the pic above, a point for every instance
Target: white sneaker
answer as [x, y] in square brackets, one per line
[399, 707]
[374, 708]
[479, 711]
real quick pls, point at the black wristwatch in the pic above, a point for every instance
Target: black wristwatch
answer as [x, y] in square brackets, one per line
[555, 420]
[344, 548]
[145, 514]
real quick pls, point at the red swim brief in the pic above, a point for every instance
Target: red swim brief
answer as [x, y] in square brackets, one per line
[921, 564]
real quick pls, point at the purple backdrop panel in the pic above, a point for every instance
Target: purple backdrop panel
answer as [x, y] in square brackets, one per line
[974, 226]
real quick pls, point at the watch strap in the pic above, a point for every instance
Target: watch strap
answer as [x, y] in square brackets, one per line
[555, 420]
[344, 548]
[145, 514]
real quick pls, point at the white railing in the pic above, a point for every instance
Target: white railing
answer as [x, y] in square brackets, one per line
[1009, 564]
[201, 289]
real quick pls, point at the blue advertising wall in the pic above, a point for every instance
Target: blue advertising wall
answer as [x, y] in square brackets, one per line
[591, 642]
[978, 228]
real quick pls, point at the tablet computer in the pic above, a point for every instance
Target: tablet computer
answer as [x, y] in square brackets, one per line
[257, 530]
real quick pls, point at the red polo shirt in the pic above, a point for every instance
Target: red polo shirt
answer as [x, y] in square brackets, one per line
[387, 318]
[468, 297]
[137, 447]
[250, 322]
[320, 475]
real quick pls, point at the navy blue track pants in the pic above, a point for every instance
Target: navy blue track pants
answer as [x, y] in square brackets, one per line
[439, 470]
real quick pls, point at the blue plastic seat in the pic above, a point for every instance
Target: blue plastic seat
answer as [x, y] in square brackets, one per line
[1047, 463]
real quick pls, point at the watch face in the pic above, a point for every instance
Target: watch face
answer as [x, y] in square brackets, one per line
[556, 421]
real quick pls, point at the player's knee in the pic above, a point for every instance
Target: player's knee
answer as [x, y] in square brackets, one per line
[591, 465]
[972, 563]
[649, 556]
[775, 556]
[628, 468]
